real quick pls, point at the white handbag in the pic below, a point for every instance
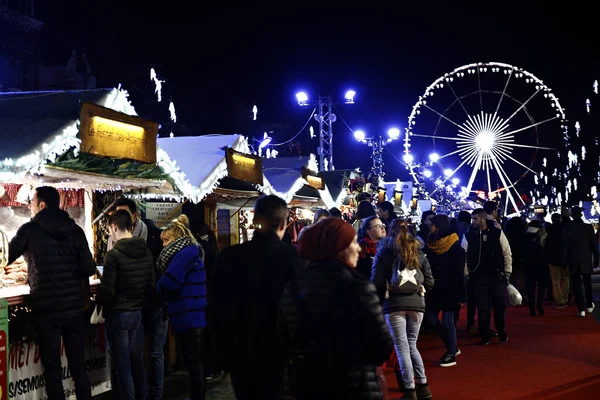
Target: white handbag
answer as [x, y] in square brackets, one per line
[97, 317]
[514, 297]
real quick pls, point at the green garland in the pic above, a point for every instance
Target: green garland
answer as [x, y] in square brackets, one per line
[120, 168]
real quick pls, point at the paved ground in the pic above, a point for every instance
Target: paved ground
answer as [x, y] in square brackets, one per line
[177, 385]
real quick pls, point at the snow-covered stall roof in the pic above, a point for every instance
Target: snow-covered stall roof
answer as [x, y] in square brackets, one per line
[283, 175]
[38, 127]
[200, 161]
[336, 187]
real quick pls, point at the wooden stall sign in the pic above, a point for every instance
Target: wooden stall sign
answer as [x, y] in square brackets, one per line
[244, 167]
[313, 179]
[108, 133]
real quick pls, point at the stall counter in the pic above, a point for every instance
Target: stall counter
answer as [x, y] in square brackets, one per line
[15, 293]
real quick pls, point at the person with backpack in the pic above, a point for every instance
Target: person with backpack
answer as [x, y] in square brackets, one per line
[402, 276]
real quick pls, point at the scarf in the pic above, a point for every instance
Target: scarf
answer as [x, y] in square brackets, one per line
[368, 248]
[444, 244]
[172, 248]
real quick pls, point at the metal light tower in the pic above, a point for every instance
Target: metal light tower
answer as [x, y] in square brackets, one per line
[377, 144]
[325, 117]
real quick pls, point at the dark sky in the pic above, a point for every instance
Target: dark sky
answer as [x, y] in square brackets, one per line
[217, 63]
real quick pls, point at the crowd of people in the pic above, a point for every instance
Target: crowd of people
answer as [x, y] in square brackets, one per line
[317, 319]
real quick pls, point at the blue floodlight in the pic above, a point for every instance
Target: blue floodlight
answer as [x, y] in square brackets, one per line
[455, 181]
[359, 135]
[434, 157]
[393, 133]
[349, 97]
[427, 173]
[448, 172]
[408, 158]
[302, 98]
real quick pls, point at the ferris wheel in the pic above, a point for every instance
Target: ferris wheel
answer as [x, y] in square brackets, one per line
[479, 129]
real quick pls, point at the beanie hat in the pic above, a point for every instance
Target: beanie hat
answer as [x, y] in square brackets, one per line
[441, 221]
[324, 240]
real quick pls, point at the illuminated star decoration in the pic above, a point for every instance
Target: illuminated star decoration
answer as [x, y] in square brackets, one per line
[588, 104]
[172, 111]
[254, 112]
[157, 83]
[407, 276]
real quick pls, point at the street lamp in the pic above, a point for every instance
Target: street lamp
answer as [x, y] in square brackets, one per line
[377, 144]
[325, 117]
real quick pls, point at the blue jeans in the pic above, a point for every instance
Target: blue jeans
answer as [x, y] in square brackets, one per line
[446, 329]
[156, 326]
[121, 329]
[404, 327]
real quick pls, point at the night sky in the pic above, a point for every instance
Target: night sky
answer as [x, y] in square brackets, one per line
[218, 63]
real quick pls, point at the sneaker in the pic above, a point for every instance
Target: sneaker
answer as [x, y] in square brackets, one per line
[484, 342]
[581, 313]
[559, 306]
[458, 352]
[448, 361]
[591, 309]
[503, 336]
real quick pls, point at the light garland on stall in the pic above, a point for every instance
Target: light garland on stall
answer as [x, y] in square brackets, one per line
[34, 162]
[268, 189]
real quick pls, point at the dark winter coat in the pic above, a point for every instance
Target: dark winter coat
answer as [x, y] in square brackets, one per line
[249, 281]
[535, 263]
[383, 268]
[128, 278]
[351, 327]
[580, 247]
[448, 274]
[58, 260]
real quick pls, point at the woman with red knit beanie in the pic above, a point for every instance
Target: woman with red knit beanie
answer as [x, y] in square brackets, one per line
[331, 323]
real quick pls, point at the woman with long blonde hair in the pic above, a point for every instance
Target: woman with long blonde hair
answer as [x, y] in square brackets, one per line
[183, 286]
[402, 275]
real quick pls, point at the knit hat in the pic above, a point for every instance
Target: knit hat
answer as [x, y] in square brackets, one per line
[326, 239]
[441, 221]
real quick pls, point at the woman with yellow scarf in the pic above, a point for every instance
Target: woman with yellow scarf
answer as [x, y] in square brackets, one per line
[447, 260]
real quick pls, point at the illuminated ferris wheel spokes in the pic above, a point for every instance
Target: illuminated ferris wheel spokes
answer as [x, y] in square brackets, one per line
[484, 141]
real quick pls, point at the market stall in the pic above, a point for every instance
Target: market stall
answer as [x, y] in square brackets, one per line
[92, 147]
[225, 178]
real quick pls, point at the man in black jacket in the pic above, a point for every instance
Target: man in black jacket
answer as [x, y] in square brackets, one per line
[249, 282]
[489, 265]
[58, 259]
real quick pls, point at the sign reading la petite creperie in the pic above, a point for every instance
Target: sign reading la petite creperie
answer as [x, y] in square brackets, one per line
[108, 133]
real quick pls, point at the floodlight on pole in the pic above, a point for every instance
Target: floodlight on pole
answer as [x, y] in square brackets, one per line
[393, 133]
[349, 97]
[302, 98]
[359, 136]
[377, 144]
[325, 117]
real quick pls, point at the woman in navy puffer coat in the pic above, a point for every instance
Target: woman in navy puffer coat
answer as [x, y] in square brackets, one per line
[183, 286]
